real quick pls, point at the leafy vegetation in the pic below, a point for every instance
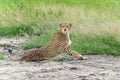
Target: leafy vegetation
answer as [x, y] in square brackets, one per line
[95, 23]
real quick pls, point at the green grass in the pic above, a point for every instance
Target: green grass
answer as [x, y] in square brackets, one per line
[2, 56]
[16, 30]
[59, 58]
[95, 23]
[106, 44]
[36, 41]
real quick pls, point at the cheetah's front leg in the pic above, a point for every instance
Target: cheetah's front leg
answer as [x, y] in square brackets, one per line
[74, 53]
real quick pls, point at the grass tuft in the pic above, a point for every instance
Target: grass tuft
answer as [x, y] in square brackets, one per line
[2, 56]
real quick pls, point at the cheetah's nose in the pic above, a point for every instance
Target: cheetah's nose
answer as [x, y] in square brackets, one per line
[64, 29]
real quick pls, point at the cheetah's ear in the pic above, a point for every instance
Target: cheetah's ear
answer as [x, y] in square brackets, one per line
[70, 24]
[60, 25]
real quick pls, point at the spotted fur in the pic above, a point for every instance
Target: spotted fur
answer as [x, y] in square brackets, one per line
[60, 43]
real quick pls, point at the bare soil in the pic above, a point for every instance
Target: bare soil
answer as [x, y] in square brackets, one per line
[97, 67]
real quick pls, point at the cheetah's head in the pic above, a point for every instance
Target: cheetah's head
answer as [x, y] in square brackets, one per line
[65, 27]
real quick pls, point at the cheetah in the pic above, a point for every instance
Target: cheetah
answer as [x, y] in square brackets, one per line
[60, 43]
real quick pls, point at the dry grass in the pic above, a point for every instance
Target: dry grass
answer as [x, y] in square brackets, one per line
[84, 22]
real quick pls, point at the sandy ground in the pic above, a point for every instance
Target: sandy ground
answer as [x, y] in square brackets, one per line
[97, 67]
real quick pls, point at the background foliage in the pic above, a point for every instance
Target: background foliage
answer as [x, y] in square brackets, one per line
[95, 23]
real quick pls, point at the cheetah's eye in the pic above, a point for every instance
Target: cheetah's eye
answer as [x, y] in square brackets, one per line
[67, 26]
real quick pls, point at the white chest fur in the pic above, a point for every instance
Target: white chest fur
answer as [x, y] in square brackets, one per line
[69, 41]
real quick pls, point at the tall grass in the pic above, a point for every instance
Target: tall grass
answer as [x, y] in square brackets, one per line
[95, 23]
